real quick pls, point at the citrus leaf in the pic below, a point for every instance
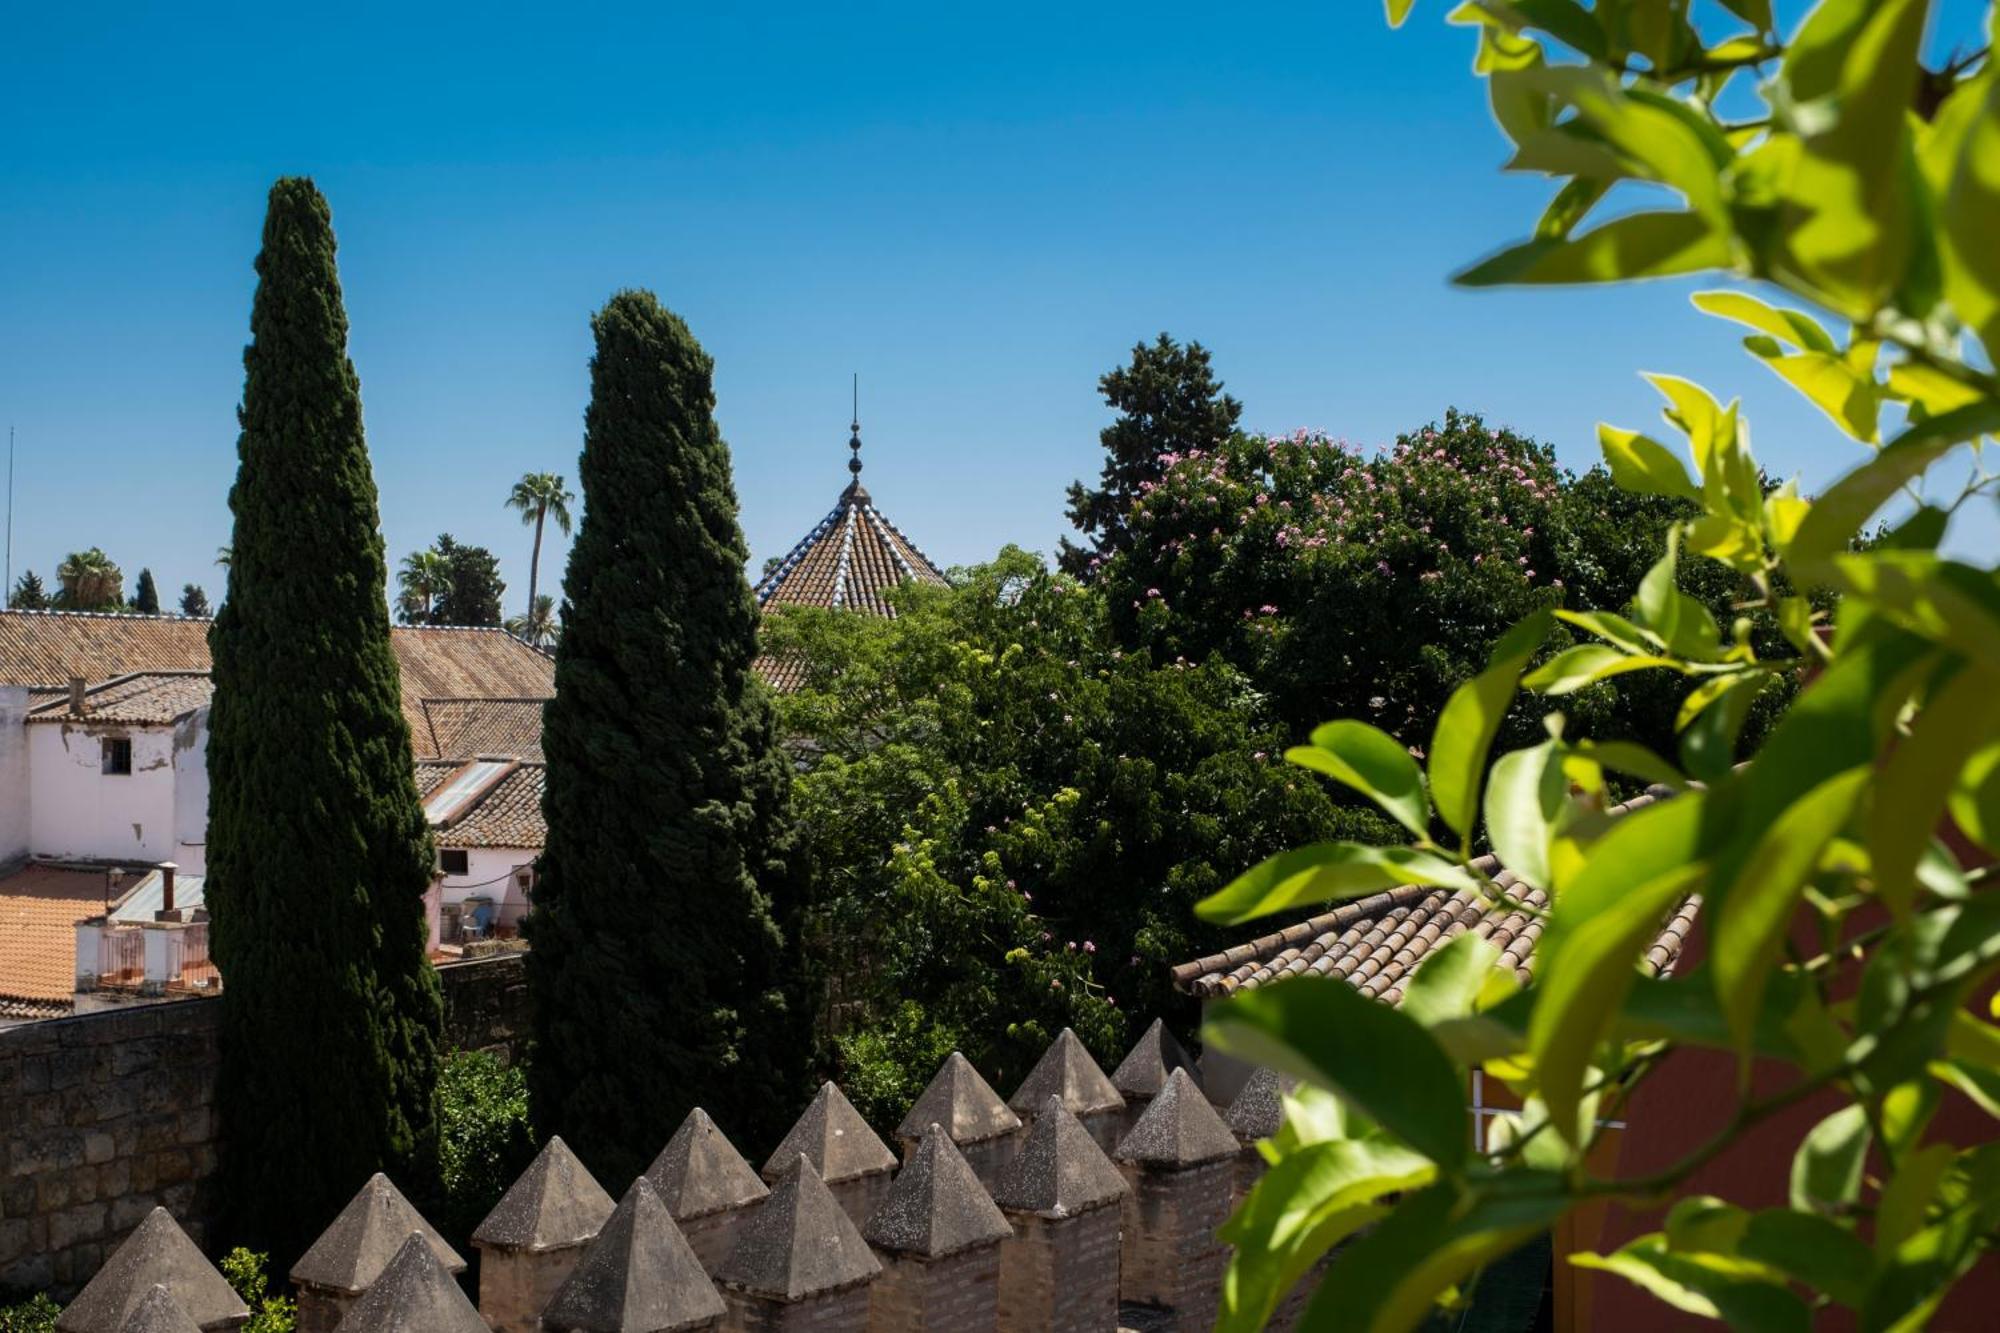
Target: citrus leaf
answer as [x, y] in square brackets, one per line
[1470, 719]
[1800, 330]
[1573, 669]
[1638, 245]
[1917, 780]
[1323, 871]
[1526, 796]
[1826, 1169]
[1374, 1056]
[1643, 465]
[1374, 764]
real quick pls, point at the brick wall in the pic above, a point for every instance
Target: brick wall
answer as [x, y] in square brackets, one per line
[1060, 1274]
[960, 1292]
[106, 1115]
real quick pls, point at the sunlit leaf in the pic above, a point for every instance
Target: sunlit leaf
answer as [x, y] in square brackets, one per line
[1373, 1055]
[1947, 602]
[1448, 982]
[1826, 1169]
[1643, 465]
[1683, 624]
[1919, 775]
[1900, 1212]
[1525, 800]
[1322, 872]
[1309, 1201]
[1638, 245]
[1574, 668]
[1650, 859]
[1709, 1285]
[1398, 11]
[1612, 628]
[1471, 717]
[1849, 398]
[1633, 760]
[1971, 217]
[1800, 330]
[1374, 764]
[1754, 908]
[1713, 715]
[1838, 513]
[1975, 797]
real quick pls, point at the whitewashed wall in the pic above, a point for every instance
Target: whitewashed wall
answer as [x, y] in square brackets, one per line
[484, 865]
[191, 793]
[14, 800]
[79, 811]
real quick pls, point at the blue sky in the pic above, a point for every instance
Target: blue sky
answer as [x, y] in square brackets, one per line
[978, 210]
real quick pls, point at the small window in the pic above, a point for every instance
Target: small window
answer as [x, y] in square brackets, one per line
[117, 755]
[453, 860]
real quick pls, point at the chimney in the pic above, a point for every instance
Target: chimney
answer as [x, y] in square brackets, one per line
[167, 912]
[78, 704]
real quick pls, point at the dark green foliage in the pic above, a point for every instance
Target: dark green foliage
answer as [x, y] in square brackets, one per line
[269, 1312]
[89, 581]
[318, 853]
[1010, 820]
[194, 602]
[660, 966]
[1347, 585]
[1169, 402]
[146, 601]
[28, 594]
[485, 1137]
[472, 588]
[35, 1314]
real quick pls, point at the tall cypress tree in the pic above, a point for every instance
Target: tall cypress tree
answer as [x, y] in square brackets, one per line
[659, 966]
[1168, 401]
[318, 853]
[146, 601]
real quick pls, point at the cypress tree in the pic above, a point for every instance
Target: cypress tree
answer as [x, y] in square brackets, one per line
[659, 966]
[318, 853]
[146, 601]
[1168, 401]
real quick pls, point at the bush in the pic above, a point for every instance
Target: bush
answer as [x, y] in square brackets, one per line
[244, 1268]
[36, 1314]
[485, 1137]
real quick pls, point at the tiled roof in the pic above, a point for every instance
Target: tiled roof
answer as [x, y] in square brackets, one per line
[507, 814]
[43, 649]
[464, 728]
[1374, 943]
[39, 908]
[140, 699]
[850, 560]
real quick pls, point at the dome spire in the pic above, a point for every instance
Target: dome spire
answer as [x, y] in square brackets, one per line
[854, 488]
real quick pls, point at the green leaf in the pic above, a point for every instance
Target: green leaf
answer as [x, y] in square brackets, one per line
[1975, 797]
[1800, 330]
[1757, 905]
[1526, 797]
[1648, 861]
[1573, 669]
[1633, 760]
[1942, 600]
[1917, 780]
[1471, 717]
[1387, 1280]
[1374, 1056]
[1322, 872]
[1812, 1249]
[1683, 624]
[1638, 245]
[1848, 397]
[1398, 11]
[1970, 214]
[1446, 984]
[1900, 1212]
[1826, 1169]
[1850, 75]
[1570, 206]
[1309, 1201]
[1837, 515]
[1643, 465]
[1708, 738]
[1610, 627]
[1709, 1285]
[1374, 764]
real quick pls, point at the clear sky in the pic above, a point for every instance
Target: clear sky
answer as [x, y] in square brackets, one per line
[978, 209]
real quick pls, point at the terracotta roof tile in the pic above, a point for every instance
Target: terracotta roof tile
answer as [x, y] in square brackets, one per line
[39, 908]
[1375, 943]
[849, 561]
[43, 649]
[142, 698]
[508, 815]
[464, 728]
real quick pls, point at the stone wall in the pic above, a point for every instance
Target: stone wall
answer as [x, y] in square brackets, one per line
[105, 1115]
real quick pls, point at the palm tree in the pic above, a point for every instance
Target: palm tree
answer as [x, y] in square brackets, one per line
[538, 497]
[90, 580]
[538, 626]
[423, 578]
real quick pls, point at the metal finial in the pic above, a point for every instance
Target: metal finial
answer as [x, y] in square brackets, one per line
[854, 440]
